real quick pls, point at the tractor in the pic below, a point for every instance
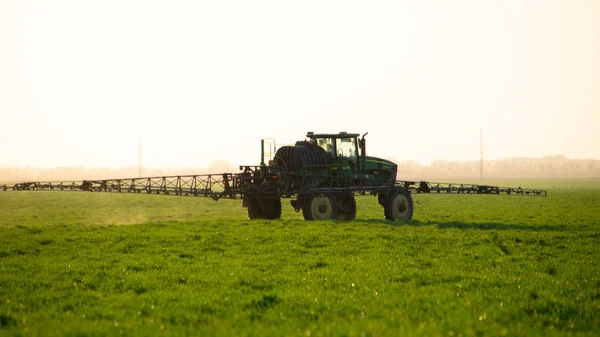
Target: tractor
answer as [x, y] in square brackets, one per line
[321, 175]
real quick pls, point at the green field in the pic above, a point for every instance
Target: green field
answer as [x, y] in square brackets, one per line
[96, 264]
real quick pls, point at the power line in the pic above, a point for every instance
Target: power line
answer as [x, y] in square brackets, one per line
[481, 153]
[140, 155]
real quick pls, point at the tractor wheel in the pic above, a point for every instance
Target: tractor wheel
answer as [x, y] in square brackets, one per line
[265, 209]
[398, 206]
[254, 211]
[320, 207]
[346, 208]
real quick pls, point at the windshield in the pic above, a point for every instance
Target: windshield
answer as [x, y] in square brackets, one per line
[346, 147]
[326, 144]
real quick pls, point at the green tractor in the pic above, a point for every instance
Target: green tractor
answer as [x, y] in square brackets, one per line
[324, 173]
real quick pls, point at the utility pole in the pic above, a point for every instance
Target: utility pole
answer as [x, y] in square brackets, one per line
[140, 155]
[481, 153]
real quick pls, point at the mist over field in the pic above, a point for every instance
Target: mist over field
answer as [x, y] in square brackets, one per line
[19, 174]
[550, 167]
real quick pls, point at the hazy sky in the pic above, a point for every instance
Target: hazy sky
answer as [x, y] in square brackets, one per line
[205, 80]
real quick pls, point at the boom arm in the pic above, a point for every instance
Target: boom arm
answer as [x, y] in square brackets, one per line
[232, 185]
[207, 185]
[431, 187]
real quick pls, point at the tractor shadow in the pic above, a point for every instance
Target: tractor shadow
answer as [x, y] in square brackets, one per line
[469, 225]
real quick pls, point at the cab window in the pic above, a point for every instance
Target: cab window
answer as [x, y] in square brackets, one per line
[326, 144]
[346, 147]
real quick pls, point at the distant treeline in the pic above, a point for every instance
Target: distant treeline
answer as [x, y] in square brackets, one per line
[550, 167]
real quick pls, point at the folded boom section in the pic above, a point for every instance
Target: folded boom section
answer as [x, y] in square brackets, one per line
[458, 188]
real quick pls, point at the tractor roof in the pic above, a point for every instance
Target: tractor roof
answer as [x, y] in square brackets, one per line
[342, 134]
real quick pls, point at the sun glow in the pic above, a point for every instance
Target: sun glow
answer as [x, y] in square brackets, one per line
[202, 81]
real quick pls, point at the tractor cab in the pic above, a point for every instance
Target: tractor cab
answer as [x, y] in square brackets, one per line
[340, 155]
[336, 145]
[342, 148]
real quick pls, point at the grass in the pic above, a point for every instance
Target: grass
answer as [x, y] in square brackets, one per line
[466, 266]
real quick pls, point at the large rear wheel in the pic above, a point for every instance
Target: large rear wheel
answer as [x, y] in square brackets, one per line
[320, 207]
[264, 209]
[398, 205]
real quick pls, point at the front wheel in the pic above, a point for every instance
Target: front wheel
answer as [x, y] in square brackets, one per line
[264, 209]
[346, 208]
[320, 207]
[398, 206]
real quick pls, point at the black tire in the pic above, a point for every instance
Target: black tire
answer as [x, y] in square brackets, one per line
[346, 208]
[320, 207]
[254, 211]
[398, 206]
[264, 209]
